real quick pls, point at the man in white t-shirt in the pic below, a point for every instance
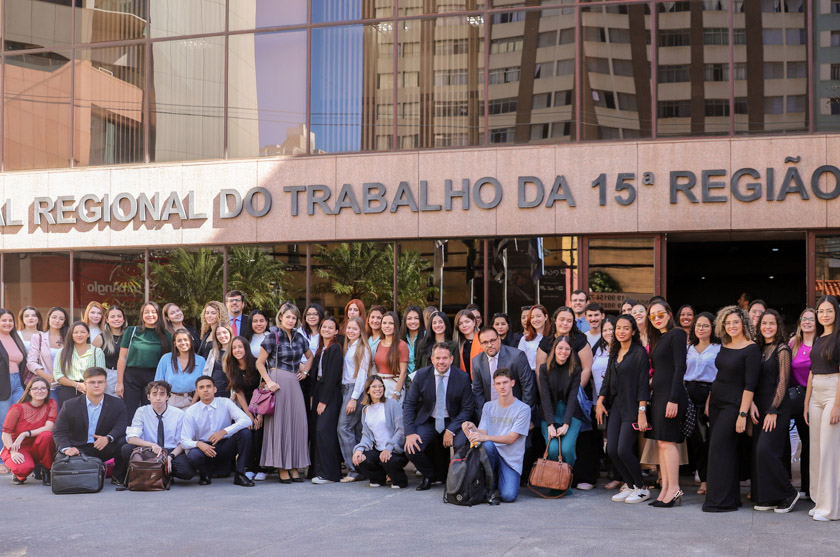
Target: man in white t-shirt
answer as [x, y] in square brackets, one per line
[503, 430]
[594, 316]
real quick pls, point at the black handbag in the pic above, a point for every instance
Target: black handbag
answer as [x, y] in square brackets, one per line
[689, 421]
[77, 474]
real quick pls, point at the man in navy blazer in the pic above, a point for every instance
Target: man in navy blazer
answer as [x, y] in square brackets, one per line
[93, 424]
[524, 389]
[432, 428]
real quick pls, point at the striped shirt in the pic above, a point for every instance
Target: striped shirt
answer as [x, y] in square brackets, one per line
[94, 357]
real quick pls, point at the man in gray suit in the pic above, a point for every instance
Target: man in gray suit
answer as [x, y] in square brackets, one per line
[495, 356]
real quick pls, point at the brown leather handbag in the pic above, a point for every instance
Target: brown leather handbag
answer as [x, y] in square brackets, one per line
[555, 475]
[147, 471]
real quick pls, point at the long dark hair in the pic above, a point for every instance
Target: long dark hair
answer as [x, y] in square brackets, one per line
[251, 322]
[304, 326]
[429, 338]
[176, 352]
[27, 392]
[13, 333]
[160, 326]
[552, 358]
[109, 341]
[70, 345]
[394, 349]
[601, 344]
[404, 328]
[552, 330]
[321, 337]
[692, 334]
[636, 337]
[779, 338]
[63, 330]
[239, 380]
[655, 334]
[38, 326]
[829, 347]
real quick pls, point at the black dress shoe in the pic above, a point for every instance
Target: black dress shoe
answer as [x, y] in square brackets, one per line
[45, 478]
[204, 480]
[243, 480]
[39, 472]
[297, 480]
[495, 499]
[425, 484]
[285, 480]
[17, 481]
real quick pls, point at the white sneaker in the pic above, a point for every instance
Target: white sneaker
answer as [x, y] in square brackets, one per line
[584, 486]
[249, 475]
[821, 518]
[623, 494]
[637, 496]
[812, 511]
[763, 508]
[395, 486]
[320, 480]
[260, 476]
[375, 485]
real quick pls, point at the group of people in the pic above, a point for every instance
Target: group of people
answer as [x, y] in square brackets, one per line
[361, 395]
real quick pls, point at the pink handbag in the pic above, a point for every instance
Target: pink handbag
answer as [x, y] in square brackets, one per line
[262, 402]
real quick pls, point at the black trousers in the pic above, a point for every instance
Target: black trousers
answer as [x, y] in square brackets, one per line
[236, 446]
[723, 493]
[256, 450]
[111, 450]
[135, 380]
[432, 460]
[698, 443]
[66, 393]
[590, 450]
[325, 449]
[770, 483]
[621, 442]
[181, 468]
[377, 470]
[797, 411]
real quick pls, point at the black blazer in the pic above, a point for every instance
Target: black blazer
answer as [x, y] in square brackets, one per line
[516, 361]
[245, 327]
[71, 426]
[420, 401]
[5, 376]
[556, 386]
[627, 383]
[329, 385]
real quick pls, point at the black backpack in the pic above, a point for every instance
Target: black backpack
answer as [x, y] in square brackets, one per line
[470, 479]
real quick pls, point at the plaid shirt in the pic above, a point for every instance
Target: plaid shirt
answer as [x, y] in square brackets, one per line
[286, 354]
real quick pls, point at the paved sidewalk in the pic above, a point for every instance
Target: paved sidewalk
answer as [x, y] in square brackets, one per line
[339, 519]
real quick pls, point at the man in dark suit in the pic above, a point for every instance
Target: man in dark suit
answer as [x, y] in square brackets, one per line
[93, 424]
[235, 304]
[495, 356]
[439, 401]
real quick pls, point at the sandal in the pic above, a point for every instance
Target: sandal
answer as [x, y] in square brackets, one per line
[702, 489]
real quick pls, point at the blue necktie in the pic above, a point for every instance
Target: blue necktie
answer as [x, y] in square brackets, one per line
[440, 404]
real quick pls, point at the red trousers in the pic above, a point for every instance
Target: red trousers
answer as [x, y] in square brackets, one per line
[37, 451]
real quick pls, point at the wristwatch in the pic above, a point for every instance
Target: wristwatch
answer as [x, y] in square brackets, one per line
[742, 414]
[642, 408]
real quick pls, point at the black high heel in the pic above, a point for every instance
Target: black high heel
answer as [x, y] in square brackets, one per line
[676, 500]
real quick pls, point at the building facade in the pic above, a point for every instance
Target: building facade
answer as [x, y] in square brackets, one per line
[520, 148]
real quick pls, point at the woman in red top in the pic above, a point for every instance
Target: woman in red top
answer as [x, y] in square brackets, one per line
[391, 356]
[27, 432]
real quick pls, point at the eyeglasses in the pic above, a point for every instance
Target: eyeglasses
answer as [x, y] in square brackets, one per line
[657, 315]
[489, 342]
[808, 319]
[35, 389]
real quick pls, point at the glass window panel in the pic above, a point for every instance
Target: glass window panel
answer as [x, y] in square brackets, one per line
[826, 65]
[251, 14]
[187, 100]
[602, 118]
[108, 106]
[110, 278]
[37, 90]
[37, 24]
[763, 53]
[267, 94]
[346, 64]
[37, 279]
[350, 10]
[543, 62]
[828, 266]
[417, 7]
[692, 90]
[111, 20]
[621, 267]
[186, 17]
[445, 108]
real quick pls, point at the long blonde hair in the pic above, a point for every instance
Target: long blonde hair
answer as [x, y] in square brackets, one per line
[361, 344]
[223, 316]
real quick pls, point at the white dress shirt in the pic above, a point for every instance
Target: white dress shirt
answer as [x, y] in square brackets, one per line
[203, 420]
[145, 425]
[350, 369]
[438, 378]
[700, 366]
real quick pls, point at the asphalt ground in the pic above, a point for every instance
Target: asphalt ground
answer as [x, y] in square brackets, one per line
[347, 519]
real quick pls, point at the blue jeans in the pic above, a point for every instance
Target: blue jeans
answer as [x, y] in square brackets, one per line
[506, 478]
[17, 392]
[567, 443]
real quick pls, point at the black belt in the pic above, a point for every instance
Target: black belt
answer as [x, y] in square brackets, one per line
[704, 383]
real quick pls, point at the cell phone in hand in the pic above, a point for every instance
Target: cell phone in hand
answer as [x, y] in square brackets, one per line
[636, 427]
